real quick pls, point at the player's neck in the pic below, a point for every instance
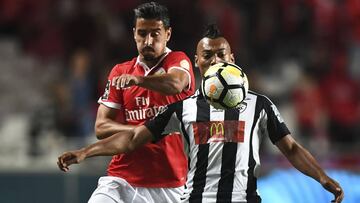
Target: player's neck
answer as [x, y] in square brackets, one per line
[151, 63]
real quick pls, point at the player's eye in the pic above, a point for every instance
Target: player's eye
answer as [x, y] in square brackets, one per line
[221, 55]
[207, 56]
[155, 34]
[142, 33]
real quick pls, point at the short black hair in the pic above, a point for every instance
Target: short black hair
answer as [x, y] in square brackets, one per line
[212, 31]
[153, 10]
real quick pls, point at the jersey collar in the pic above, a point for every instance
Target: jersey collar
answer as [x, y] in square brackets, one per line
[198, 93]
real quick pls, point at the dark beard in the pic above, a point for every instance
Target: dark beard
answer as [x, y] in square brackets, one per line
[149, 58]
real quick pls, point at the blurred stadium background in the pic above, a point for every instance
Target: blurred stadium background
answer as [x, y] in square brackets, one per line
[55, 56]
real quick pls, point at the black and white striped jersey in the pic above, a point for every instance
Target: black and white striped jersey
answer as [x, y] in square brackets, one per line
[222, 145]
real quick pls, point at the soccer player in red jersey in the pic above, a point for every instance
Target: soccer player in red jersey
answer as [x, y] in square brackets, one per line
[136, 91]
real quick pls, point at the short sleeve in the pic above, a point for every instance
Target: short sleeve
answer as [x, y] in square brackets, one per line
[274, 125]
[179, 60]
[164, 123]
[112, 97]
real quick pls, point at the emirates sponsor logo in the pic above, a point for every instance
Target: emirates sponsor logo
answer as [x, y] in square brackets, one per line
[143, 113]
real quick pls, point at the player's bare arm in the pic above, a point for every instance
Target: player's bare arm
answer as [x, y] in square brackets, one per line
[119, 143]
[106, 124]
[173, 82]
[302, 160]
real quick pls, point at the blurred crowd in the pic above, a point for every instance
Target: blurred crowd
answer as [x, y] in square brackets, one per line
[55, 56]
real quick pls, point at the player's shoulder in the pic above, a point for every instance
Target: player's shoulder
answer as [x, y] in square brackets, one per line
[178, 58]
[261, 98]
[177, 54]
[123, 66]
[126, 64]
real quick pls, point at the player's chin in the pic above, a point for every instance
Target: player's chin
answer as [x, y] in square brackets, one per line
[149, 56]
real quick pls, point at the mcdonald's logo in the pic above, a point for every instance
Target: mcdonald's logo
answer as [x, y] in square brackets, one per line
[219, 129]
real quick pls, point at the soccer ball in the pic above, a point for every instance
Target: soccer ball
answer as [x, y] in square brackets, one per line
[224, 86]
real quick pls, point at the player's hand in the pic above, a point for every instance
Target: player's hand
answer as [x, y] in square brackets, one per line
[68, 158]
[125, 80]
[333, 187]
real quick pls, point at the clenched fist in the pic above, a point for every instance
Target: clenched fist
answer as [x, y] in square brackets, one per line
[70, 157]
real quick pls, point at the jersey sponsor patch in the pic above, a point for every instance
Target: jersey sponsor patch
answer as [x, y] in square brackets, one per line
[242, 107]
[144, 113]
[107, 91]
[185, 64]
[219, 131]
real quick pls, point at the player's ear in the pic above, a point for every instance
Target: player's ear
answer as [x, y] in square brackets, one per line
[196, 60]
[134, 32]
[168, 33]
[232, 58]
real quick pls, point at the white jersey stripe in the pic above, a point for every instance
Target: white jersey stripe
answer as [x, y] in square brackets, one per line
[199, 180]
[190, 115]
[214, 165]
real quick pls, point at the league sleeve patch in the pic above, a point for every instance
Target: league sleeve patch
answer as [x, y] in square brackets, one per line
[107, 91]
[277, 113]
[185, 64]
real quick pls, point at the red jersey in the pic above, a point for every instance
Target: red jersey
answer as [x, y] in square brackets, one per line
[161, 164]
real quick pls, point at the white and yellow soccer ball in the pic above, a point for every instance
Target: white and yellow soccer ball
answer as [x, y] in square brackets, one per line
[224, 85]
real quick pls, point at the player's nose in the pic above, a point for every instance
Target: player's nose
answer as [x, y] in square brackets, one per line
[215, 60]
[149, 40]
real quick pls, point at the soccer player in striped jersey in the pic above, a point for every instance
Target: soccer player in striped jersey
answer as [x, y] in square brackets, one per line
[220, 170]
